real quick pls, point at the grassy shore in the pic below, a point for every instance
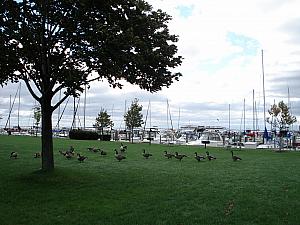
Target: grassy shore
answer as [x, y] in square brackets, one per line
[262, 189]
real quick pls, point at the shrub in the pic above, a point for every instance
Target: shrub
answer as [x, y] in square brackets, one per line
[105, 137]
[83, 135]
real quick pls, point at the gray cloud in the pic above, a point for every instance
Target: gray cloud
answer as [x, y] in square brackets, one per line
[292, 27]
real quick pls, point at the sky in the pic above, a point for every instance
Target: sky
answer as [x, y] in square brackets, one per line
[221, 43]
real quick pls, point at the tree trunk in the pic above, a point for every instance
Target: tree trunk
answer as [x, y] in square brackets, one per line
[47, 141]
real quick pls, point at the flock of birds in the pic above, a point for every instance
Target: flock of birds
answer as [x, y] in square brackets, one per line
[121, 154]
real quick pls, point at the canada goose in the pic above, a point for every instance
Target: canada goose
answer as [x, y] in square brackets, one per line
[234, 157]
[96, 150]
[199, 157]
[71, 150]
[146, 155]
[179, 156]
[168, 155]
[37, 155]
[81, 158]
[123, 148]
[14, 155]
[118, 156]
[68, 156]
[210, 157]
[103, 152]
[90, 149]
[62, 153]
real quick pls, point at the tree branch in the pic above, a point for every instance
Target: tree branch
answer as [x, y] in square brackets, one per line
[60, 101]
[58, 89]
[96, 78]
[30, 90]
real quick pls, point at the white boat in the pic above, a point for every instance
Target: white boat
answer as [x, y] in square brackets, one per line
[209, 138]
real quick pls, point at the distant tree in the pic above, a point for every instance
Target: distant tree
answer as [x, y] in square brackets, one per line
[103, 121]
[280, 118]
[37, 114]
[65, 45]
[133, 117]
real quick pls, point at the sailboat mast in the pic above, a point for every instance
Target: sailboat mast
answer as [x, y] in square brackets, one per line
[19, 106]
[254, 118]
[253, 108]
[229, 120]
[84, 107]
[244, 116]
[264, 92]
[10, 108]
[74, 113]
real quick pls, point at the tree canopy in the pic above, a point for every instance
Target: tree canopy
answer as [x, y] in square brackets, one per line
[280, 116]
[60, 44]
[66, 44]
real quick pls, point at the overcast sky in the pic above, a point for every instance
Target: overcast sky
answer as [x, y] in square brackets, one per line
[221, 42]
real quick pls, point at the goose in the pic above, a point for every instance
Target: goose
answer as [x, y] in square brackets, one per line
[179, 156]
[118, 156]
[71, 150]
[234, 157]
[96, 150]
[199, 157]
[103, 152]
[146, 155]
[123, 148]
[81, 158]
[68, 156]
[210, 157]
[14, 155]
[37, 155]
[90, 149]
[168, 155]
[62, 153]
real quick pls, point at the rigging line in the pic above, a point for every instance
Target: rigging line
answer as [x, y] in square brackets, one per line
[171, 119]
[62, 112]
[146, 120]
[77, 108]
[75, 112]
[146, 116]
[11, 107]
[58, 113]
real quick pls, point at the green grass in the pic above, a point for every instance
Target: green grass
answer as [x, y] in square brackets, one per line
[262, 189]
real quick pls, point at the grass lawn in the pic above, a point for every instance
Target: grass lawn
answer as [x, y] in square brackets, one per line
[262, 189]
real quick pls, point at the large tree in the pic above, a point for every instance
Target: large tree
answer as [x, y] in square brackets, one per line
[55, 45]
[281, 118]
[134, 117]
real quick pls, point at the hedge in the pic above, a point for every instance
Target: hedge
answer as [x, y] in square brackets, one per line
[83, 135]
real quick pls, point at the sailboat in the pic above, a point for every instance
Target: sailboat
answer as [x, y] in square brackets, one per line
[265, 133]
[8, 127]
